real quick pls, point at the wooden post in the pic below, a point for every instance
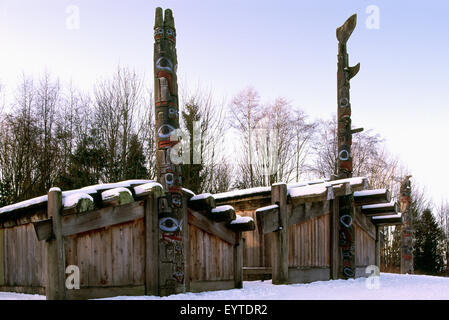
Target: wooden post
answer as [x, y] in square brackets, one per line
[2, 257]
[186, 239]
[406, 228]
[335, 255]
[238, 261]
[377, 258]
[280, 238]
[55, 285]
[151, 243]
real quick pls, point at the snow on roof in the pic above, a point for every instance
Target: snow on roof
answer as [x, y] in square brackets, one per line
[89, 190]
[72, 199]
[188, 191]
[240, 193]
[310, 190]
[378, 205]
[124, 184]
[273, 206]
[143, 188]
[201, 196]
[239, 219]
[364, 193]
[222, 208]
[24, 204]
[111, 193]
[391, 216]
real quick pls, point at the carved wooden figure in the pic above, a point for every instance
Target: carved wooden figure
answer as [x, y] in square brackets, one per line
[344, 160]
[407, 227]
[170, 206]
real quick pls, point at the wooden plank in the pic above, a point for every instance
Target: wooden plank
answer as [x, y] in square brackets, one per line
[238, 261]
[368, 197]
[2, 257]
[377, 247]
[380, 209]
[186, 240]
[334, 252]
[97, 219]
[211, 285]
[43, 229]
[306, 211]
[121, 198]
[105, 292]
[222, 214]
[280, 241]
[151, 246]
[267, 219]
[203, 203]
[55, 284]
[211, 227]
[242, 227]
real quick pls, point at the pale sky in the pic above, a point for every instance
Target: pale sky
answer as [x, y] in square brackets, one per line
[282, 48]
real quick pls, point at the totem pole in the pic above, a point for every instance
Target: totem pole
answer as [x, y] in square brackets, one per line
[344, 162]
[407, 228]
[170, 206]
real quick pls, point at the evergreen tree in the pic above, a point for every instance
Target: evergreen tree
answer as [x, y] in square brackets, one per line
[192, 176]
[135, 160]
[428, 256]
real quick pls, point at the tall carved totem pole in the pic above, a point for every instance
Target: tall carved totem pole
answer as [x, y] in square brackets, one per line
[407, 227]
[170, 206]
[344, 162]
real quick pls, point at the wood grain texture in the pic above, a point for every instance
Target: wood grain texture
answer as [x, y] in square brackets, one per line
[92, 220]
[211, 258]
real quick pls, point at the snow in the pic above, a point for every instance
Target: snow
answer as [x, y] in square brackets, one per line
[391, 216]
[239, 219]
[222, 208]
[72, 199]
[390, 287]
[273, 206]
[105, 195]
[143, 188]
[378, 205]
[122, 184]
[239, 193]
[188, 191]
[200, 196]
[89, 190]
[310, 190]
[369, 192]
[55, 189]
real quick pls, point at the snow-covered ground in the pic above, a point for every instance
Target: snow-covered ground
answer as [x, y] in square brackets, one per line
[389, 287]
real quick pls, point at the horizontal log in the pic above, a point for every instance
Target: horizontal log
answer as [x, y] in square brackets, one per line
[82, 205]
[44, 229]
[211, 285]
[388, 220]
[224, 213]
[144, 190]
[367, 197]
[217, 229]
[74, 224]
[242, 226]
[85, 293]
[116, 197]
[306, 211]
[267, 219]
[380, 209]
[203, 202]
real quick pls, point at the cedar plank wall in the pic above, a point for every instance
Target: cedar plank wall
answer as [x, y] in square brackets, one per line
[257, 247]
[365, 248]
[211, 259]
[309, 243]
[109, 257]
[24, 260]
